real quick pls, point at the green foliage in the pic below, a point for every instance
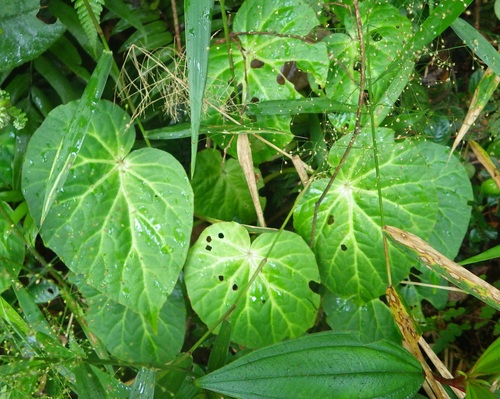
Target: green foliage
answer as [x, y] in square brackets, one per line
[317, 365]
[108, 270]
[89, 11]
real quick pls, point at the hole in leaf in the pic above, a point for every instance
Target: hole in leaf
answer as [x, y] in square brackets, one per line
[376, 37]
[357, 66]
[209, 239]
[45, 15]
[50, 291]
[263, 300]
[221, 235]
[221, 278]
[235, 287]
[314, 286]
[255, 63]
[208, 248]
[343, 247]
[331, 220]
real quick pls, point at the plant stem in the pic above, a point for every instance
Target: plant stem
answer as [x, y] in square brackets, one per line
[357, 127]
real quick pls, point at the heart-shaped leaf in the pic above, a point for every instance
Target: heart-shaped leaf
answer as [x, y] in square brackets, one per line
[121, 220]
[348, 240]
[279, 304]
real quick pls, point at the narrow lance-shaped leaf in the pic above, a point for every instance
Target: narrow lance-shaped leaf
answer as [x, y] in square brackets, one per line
[441, 17]
[198, 24]
[73, 138]
[327, 365]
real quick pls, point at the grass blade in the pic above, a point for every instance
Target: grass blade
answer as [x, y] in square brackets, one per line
[478, 44]
[198, 25]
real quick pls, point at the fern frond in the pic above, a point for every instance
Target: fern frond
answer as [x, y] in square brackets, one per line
[86, 20]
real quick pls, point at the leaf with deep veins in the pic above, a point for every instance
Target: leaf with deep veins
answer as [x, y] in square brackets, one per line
[122, 220]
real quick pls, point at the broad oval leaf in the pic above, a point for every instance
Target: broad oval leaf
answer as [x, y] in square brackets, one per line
[121, 220]
[348, 241]
[326, 365]
[278, 305]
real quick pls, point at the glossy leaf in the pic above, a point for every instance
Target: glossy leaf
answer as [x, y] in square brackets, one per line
[489, 254]
[479, 391]
[144, 384]
[72, 137]
[198, 20]
[348, 237]
[326, 365]
[277, 36]
[172, 380]
[220, 189]
[11, 249]
[385, 32]
[278, 305]
[23, 36]
[122, 220]
[129, 336]
[372, 319]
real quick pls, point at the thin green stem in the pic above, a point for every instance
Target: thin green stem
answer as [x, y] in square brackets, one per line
[357, 127]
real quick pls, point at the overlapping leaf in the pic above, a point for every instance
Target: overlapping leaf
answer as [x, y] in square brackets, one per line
[278, 305]
[128, 336]
[348, 243]
[267, 35]
[122, 219]
[220, 189]
[385, 32]
[23, 36]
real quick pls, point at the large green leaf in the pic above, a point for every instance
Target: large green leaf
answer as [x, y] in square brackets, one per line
[73, 137]
[278, 305]
[221, 190]
[348, 240]
[128, 336]
[326, 365]
[122, 219]
[23, 36]
[384, 32]
[276, 35]
[454, 192]
[372, 319]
